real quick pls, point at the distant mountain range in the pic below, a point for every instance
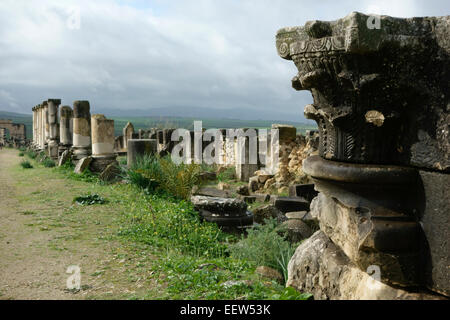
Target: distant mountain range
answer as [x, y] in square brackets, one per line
[192, 112]
[206, 113]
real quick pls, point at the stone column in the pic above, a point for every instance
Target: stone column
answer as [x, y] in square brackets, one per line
[128, 132]
[33, 126]
[140, 147]
[102, 143]
[81, 130]
[383, 165]
[246, 163]
[53, 141]
[65, 128]
[41, 127]
[46, 126]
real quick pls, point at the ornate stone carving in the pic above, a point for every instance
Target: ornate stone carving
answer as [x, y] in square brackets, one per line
[380, 95]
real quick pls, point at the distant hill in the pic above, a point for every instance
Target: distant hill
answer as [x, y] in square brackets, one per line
[144, 119]
[207, 113]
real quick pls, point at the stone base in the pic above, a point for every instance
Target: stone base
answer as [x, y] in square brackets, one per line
[62, 148]
[79, 153]
[99, 163]
[319, 267]
[53, 150]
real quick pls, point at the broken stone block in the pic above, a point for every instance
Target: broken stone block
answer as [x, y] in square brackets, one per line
[225, 212]
[65, 156]
[207, 176]
[297, 230]
[287, 204]
[139, 148]
[269, 273]
[253, 184]
[110, 173]
[248, 199]
[305, 191]
[266, 212]
[82, 165]
[219, 205]
[287, 133]
[211, 192]
[242, 190]
[319, 267]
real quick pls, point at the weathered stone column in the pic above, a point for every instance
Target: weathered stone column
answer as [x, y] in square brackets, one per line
[384, 152]
[42, 127]
[53, 141]
[81, 130]
[33, 126]
[65, 128]
[128, 132]
[102, 143]
[246, 155]
[46, 125]
[140, 147]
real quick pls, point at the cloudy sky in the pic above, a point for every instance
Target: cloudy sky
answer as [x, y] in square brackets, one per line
[136, 54]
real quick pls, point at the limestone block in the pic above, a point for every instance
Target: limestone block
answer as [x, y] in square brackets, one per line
[82, 165]
[319, 267]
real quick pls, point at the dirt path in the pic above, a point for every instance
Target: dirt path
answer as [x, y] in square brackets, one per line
[40, 238]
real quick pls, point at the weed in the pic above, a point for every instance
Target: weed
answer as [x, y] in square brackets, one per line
[48, 163]
[21, 154]
[89, 199]
[265, 245]
[26, 164]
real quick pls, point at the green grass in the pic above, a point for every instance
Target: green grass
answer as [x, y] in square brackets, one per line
[48, 163]
[188, 258]
[265, 245]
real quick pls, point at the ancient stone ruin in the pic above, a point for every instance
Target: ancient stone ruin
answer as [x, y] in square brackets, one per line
[17, 133]
[382, 106]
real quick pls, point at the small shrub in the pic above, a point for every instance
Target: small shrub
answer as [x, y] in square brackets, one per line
[26, 164]
[21, 154]
[48, 163]
[227, 174]
[31, 154]
[89, 199]
[265, 245]
[153, 173]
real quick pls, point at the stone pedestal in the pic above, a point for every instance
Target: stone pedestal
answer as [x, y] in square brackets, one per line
[140, 147]
[369, 212]
[102, 143]
[81, 130]
[65, 128]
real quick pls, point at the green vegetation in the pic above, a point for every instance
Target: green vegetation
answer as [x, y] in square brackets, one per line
[90, 199]
[21, 154]
[153, 173]
[48, 163]
[187, 258]
[26, 164]
[265, 245]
